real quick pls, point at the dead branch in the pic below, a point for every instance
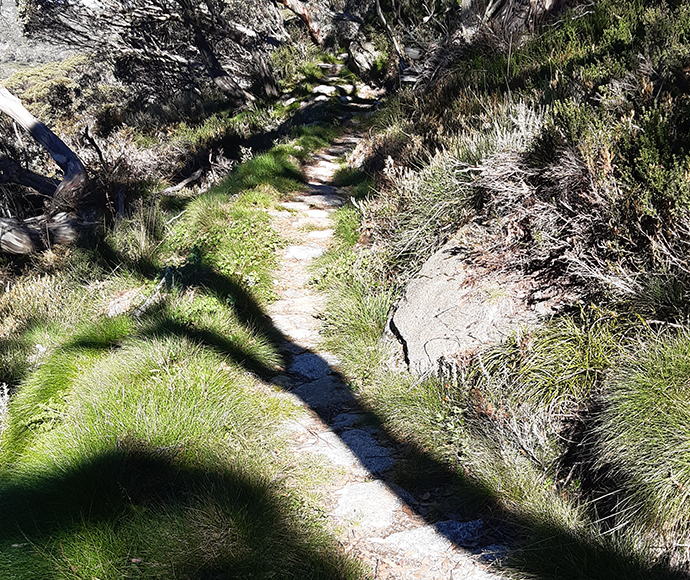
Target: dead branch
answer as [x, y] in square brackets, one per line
[20, 237]
[73, 169]
[309, 19]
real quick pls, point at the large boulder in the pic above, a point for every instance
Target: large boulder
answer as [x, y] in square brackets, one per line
[350, 18]
[465, 299]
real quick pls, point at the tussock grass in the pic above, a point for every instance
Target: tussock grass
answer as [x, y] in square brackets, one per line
[136, 238]
[165, 468]
[565, 358]
[296, 63]
[358, 319]
[425, 207]
[136, 442]
[507, 420]
[640, 443]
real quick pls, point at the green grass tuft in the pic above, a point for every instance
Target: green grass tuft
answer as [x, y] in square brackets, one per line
[641, 441]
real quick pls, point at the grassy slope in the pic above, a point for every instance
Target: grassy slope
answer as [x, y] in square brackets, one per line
[562, 430]
[167, 490]
[137, 445]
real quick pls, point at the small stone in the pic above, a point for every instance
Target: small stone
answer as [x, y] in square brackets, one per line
[324, 90]
[317, 213]
[321, 234]
[412, 53]
[303, 252]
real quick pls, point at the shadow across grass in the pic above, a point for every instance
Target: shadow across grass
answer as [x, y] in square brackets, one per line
[128, 502]
[129, 486]
[540, 548]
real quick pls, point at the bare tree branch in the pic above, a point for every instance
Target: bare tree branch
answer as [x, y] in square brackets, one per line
[18, 237]
[71, 165]
[310, 19]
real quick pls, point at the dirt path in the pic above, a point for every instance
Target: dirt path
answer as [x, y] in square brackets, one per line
[379, 523]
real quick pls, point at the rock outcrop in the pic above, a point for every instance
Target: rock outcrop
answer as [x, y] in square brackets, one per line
[464, 299]
[362, 57]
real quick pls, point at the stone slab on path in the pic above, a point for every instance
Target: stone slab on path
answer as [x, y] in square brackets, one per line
[296, 326]
[295, 206]
[318, 214]
[329, 446]
[309, 366]
[321, 234]
[375, 457]
[304, 252]
[369, 505]
[323, 197]
[324, 394]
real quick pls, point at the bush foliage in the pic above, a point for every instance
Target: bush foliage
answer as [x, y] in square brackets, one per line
[570, 150]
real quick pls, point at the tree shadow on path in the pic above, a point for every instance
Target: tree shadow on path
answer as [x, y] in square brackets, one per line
[438, 494]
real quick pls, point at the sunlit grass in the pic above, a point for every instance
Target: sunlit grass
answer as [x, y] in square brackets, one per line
[138, 443]
[641, 441]
[153, 454]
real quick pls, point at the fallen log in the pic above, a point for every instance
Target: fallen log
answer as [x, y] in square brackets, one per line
[31, 234]
[15, 237]
[56, 226]
[72, 167]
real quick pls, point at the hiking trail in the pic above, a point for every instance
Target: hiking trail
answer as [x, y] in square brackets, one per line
[374, 520]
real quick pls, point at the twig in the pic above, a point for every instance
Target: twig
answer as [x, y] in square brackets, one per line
[95, 145]
[151, 300]
[179, 215]
[193, 177]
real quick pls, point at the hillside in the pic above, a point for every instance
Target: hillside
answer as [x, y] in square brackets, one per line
[16, 51]
[449, 296]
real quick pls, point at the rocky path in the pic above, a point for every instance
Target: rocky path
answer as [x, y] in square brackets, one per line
[376, 521]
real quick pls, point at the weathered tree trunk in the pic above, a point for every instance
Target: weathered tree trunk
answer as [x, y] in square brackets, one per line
[247, 39]
[391, 34]
[12, 172]
[71, 165]
[311, 20]
[19, 237]
[15, 237]
[218, 74]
